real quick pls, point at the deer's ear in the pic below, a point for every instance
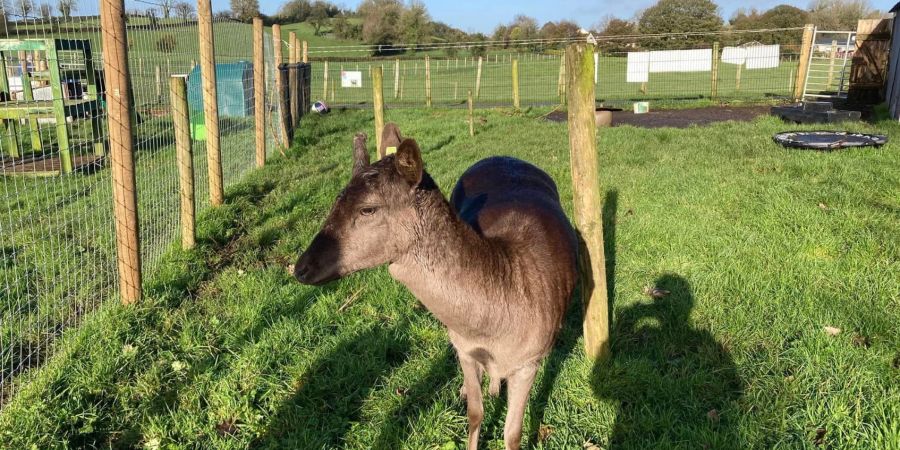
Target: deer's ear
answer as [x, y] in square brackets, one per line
[390, 137]
[360, 153]
[408, 162]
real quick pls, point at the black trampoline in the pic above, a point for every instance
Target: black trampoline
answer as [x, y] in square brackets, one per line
[828, 140]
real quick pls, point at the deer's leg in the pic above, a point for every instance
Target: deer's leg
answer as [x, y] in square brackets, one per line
[472, 386]
[478, 375]
[518, 387]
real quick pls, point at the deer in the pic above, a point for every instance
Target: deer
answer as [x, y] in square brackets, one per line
[496, 265]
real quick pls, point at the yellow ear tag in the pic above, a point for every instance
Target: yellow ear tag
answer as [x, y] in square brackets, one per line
[390, 150]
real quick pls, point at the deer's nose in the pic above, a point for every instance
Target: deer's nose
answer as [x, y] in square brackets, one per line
[302, 270]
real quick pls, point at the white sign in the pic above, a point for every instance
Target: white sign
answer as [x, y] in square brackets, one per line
[638, 67]
[681, 61]
[763, 56]
[351, 79]
[734, 55]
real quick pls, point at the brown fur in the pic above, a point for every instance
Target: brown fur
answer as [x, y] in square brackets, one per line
[496, 265]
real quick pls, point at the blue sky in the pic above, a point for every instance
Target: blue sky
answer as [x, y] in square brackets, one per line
[484, 15]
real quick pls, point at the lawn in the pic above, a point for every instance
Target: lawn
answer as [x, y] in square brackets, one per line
[761, 248]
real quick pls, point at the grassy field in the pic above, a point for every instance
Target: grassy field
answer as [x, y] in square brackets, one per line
[761, 248]
[451, 78]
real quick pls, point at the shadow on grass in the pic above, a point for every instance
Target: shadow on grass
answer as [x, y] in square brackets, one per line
[673, 383]
[330, 394]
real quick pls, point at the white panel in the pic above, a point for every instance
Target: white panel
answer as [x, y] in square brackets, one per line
[763, 56]
[733, 55]
[681, 61]
[638, 67]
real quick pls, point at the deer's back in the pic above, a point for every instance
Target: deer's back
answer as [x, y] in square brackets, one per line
[512, 201]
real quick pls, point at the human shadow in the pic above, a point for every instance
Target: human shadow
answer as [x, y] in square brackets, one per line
[674, 383]
[572, 326]
[330, 393]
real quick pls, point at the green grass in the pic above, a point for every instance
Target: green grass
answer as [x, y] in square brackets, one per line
[760, 246]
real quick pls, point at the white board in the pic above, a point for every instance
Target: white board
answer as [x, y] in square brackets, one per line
[763, 56]
[638, 67]
[351, 79]
[733, 55]
[681, 61]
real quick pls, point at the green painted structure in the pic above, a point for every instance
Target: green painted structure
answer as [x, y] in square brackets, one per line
[69, 64]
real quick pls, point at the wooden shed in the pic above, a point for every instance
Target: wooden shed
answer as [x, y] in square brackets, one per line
[892, 84]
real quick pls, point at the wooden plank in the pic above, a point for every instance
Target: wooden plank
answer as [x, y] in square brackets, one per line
[803, 65]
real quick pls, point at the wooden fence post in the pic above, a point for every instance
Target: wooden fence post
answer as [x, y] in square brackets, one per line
[561, 88]
[210, 102]
[259, 90]
[803, 66]
[515, 83]
[378, 105]
[737, 77]
[121, 149]
[279, 85]
[324, 80]
[587, 197]
[158, 77]
[305, 52]
[714, 80]
[184, 157]
[478, 79]
[471, 114]
[397, 78]
[427, 82]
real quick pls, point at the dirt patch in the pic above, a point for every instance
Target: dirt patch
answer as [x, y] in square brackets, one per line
[679, 118]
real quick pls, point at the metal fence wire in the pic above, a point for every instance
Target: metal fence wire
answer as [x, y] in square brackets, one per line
[57, 242]
[747, 65]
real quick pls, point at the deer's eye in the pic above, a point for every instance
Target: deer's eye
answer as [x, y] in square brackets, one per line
[368, 210]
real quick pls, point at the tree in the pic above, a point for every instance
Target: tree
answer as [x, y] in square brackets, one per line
[840, 14]
[614, 27]
[295, 11]
[46, 11]
[166, 6]
[23, 7]
[380, 19]
[318, 16]
[680, 16]
[415, 24]
[184, 10]
[479, 49]
[245, 10]
[67, 7]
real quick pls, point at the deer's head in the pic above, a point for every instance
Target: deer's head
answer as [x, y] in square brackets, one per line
[372, 220]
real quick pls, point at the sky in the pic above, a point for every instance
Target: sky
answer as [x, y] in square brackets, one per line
[484, 15]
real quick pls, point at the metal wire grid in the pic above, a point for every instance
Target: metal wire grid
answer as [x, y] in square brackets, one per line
[57, 243]
[539, 77]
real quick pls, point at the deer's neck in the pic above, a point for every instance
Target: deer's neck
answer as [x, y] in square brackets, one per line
[450, 268]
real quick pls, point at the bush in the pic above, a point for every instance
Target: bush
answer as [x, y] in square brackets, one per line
[166, 43]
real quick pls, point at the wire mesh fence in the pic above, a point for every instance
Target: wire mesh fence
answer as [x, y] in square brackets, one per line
[757, 65]
[57, 242]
